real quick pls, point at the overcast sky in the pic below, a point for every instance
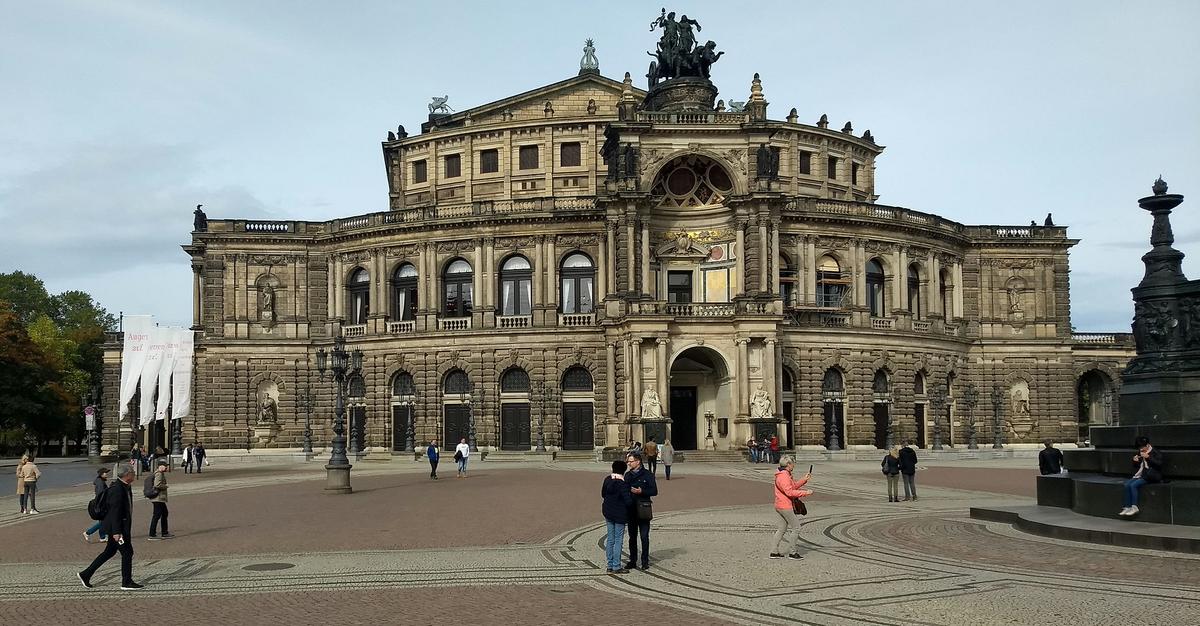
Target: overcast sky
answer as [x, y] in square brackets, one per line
[118, 117]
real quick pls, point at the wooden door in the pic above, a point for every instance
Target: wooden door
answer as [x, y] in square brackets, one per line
[577, 426]
[514, 426]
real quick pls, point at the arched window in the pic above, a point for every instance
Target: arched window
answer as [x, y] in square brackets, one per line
[832, 386]
[831, 285]
[789, 383]
[577, 378]
[357, 387]
[879, 386]
[947, 294]
[457, 281]
[919, 384]
[787, 280]
[358, 296]
[691, 181]
[914, 292]
[404, 292]
[403, 385]
[516, 286]
[578, 283]
[876, 298]
[515, 380]
[456, 383]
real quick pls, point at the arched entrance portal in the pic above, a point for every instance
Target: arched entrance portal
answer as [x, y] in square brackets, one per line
[1094, 395]
[700, 387]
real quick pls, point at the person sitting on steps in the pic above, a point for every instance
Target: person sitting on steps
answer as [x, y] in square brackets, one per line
[1148, 464]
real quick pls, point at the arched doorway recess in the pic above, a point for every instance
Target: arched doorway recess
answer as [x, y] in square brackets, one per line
[700, 387]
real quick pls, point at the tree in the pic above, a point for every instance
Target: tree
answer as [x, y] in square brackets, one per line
[32, 397]
[26, 294]
[76, 310]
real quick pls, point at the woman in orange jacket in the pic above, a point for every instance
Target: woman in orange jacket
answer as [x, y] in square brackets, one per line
[787, 489]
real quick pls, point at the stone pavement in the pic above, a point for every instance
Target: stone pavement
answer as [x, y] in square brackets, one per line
[521, 543]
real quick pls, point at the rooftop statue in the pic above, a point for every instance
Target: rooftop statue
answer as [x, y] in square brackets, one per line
[677, 54]
[439, 105]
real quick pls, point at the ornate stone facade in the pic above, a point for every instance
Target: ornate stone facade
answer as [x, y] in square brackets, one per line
[678, 267]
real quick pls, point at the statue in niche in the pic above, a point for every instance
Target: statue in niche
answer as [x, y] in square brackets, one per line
[266, 306]
[268, 410]
[1020, 397]
[760, 403]
[1014, 300]
[651, 405]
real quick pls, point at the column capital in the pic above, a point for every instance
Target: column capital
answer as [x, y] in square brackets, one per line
[741, 341]
[662, 341]
[770, 341]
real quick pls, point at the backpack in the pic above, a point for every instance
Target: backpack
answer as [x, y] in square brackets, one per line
[148, 489]
[98, 507]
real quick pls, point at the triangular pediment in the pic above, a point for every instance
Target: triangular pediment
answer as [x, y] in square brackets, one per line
[568, 98]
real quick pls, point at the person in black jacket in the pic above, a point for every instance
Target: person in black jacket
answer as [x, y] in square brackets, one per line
[100, 484]
[1050, 459]
[118, 525]
[908, 469]
[1148, 468]
[891, 469]
[642, 487]
[615, 508]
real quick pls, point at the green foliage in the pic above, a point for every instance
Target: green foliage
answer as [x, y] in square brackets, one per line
[50, 356]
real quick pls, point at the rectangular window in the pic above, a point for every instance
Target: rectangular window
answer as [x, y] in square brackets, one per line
[419, 173]
[832, 171]
[679, 286]
[489, 161]
[854, 173]
[805, 162]
[453, 166]
[529, 157]
[569, 154]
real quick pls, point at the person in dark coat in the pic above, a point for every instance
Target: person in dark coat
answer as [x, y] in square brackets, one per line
[908, 470]
[891, 469]
[1148, 468]
[432, 454]
[1050, 459]
[118, 525]
[615, 506]
[198, 454]
[100, 484]
[643, 487]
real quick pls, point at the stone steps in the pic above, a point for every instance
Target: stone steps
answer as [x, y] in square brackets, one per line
[710, 456]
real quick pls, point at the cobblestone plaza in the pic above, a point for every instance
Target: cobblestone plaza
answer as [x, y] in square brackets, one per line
[263, 545]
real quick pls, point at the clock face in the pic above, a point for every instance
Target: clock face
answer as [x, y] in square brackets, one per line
[717, 253]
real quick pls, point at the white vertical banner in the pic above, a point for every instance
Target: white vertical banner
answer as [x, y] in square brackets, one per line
[154, 358]
[133, 356]
[164, 373]
[181, 379]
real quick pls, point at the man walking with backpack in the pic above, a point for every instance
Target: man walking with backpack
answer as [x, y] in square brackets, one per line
[118, 525]
[100, 484]
[156, 490]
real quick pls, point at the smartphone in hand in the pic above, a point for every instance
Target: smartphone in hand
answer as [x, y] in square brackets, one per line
[810, 468]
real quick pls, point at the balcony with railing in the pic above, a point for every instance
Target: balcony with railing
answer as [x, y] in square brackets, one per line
[513, 321]
[576, 320]
[883, 323]
[1105, 340]
[355, 330]
[454, 323]
[922, 326]
[698, 309]
[402, 327]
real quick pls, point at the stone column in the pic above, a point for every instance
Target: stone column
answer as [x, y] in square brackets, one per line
[197, 294]
[768, 369]
[802, 271]
[931, 283]
[636, 362]
[610, 381]
[764, 260]
[538, 299]
[860, 276]
[551, 274]
[810, 271]
[602, 258]
[477, 284]
[336, 270]
[663, 374]
[902, 280]
[898, 275]
[958, 289]
[631, 256]
[645, 258]
[775, 260]
[739, 286]
[627, 362]
[743, 376]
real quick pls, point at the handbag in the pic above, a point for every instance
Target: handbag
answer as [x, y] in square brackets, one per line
[645, 510]
[797, 504]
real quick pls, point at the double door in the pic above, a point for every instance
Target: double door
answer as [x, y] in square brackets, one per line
[577, 426]
[514, 426]
[401, 414]
[456, 425]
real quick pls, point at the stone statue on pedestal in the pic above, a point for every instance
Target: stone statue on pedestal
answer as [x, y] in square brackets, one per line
[760, 404]
[651, 405]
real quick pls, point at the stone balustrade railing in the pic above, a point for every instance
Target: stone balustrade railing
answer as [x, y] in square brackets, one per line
[357, 330]
[513, 321]
[574, 320]
[401, 328]
[454, 323]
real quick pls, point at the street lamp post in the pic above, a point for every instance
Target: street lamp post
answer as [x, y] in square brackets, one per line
[471, 418]
[997, 409]
[545, 395]
[411, 406]
[971, 400]
[307, 401]
[938, 398]
[342, 366]
[91, 419]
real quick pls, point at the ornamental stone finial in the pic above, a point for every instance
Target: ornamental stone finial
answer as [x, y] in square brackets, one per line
[589, 64]
[756, 90]
[848, 128]
[823, 122]
[1160, 186]
[793, 116]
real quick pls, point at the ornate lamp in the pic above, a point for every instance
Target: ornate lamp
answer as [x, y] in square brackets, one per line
[938, 398]
[997, 411]
[971, 400]
[342, 366]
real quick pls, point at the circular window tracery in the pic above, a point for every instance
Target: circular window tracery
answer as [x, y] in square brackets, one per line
[692, 181]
